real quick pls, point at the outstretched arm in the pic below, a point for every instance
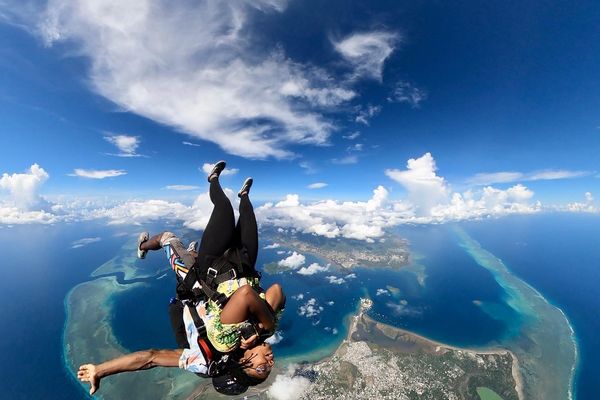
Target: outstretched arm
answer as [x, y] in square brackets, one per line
[131, 362]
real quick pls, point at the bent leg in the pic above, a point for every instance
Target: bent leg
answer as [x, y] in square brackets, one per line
[275, 297]
[153, 243]
[246, 303]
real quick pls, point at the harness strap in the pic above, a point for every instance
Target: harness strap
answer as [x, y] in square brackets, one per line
[198, 323]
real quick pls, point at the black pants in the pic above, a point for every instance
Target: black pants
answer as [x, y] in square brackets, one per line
[221, 232]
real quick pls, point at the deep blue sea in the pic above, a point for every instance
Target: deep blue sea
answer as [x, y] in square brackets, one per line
[557, 254]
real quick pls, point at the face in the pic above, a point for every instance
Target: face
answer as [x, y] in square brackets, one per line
[260, 361]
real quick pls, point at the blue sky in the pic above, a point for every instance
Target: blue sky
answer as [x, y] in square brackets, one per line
[496, 104]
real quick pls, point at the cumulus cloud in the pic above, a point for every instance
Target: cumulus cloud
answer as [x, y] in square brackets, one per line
[287, 386]
[514, 176]
[272, 246]
[354, 220]
[23, 187]
[382, 292]
[294, 261]
[425, 188]
[406, 92]
[207, 167]
[334, 280]
[317, 185]
[127, 145]
[367, 51]
[275, 338]
[588, 205]
[310, 309]
[209, 80]
[84, 242]
[312, 269]
[182, 187]
[97, 173]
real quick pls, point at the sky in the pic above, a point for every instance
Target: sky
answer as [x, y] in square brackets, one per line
[352, 118]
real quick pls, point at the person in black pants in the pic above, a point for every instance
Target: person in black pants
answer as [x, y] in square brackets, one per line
[249, 309]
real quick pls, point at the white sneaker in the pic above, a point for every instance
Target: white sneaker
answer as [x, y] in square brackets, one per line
[141, 254]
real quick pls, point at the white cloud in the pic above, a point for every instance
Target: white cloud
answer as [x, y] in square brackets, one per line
[312, 269]
[350, 276]
[365, 113]
[403, 309]
[310, 309]
[589, 205]
[334, 280]
[84, 242]
[97, 173]
[127, 145]
[14, 216]
[299, 296]
[406, 92]
[367, 51]
[329, 218]
[191, 144]
[425, 188]
[182, 187]
[23, 188]
[272, 246]
[209, 80]
[288, 386]
[294, 261]
[206, 168]
[307, 167]
[382, 292]
[275, 338]
[350, 159]
[351, 136]
[355, 147]
[514, 176]
[317, 185]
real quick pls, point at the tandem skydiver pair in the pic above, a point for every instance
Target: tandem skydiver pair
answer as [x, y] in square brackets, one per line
[221, 315]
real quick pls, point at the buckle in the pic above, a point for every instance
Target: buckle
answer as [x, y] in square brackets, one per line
[233, 273]
[211, 272]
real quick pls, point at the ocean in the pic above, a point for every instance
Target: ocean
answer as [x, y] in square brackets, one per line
[440, 295]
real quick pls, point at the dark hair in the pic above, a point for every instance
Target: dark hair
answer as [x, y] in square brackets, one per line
[234, 380]
[237, 366]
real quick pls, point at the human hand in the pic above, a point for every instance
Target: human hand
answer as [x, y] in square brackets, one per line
[88, 373]
[248, 343]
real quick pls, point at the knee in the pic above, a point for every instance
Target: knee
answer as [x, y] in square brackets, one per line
[165, 237]
[276, 288]
[245, 291]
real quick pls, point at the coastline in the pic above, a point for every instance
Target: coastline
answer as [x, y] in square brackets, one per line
[546, 345]
[382, 338]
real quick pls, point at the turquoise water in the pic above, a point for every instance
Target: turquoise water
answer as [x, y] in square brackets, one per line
[454, 304]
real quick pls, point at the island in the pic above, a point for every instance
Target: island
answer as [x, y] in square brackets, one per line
[378, 361]
[389, 251]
